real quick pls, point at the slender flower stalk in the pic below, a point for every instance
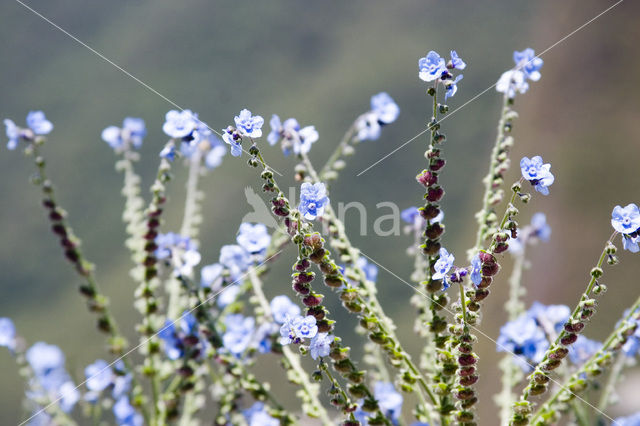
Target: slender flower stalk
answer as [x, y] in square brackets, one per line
[584, 310]
[498, 166]
[594, 366]
[336, 162]
[311, 404]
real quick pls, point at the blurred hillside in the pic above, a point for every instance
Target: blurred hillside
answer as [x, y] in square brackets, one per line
[319, 62]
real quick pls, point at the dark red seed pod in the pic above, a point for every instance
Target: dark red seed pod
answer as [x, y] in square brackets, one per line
[486, 257]
[324, 326]
[480, 294]
[302, 265]
[59, 230]
[574, 328]
[72, 255]
[317, 256]
[317, 312]
[469, 380]
[301, 288]
[312, 300]
[305, 277]
[333, 281]
[490, 269]
[501, 248]
[465, 394]
[149, 261]
[467, 359]
[427, 178]
[485, 282]
[434, 231]
[466, 371]
[49, 204]
[434, 194]
[568, 339]
[151, 234]
[431, 247]
[55, 216]
[436, 164]
[155, 213]
[429, 211]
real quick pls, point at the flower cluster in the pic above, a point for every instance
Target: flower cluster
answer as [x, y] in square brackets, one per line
[298, 328]
[132, 132]
[178, 251]
[626, 220]
[390, 401]
[433, 67]
[383, 111]
[181, 337]
[537, 173]
[527, 337]
[246, 125]
[294, 138]
[37, 124]
[515, 80]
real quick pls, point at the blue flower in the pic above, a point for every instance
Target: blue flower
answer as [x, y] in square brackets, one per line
[47, 363]
[282, 307]
[179, 252]
[537, 173]
[476, 270]
[234, 139]
[370, 269]
[442, 266]
[13, 133]
[512, 81]
[539, 227]
[179, 124]
[626, 220]
[431, 67]
[39, 123]
[210, 274]
[99, 376]
[235, 259]
[254, 238]
[174, 336]
[410, 215]
[125, 414]
[456, 61]
[368, 127]
[228, 295]
[389, 399]
[529, 63]
[239, 333]
[293, 137]
[631, 243]
[550, 317]
[525, 339]
[313, 200]
[385, 108]
[320, 345]
[133, 130]
[215, 154]
[583, 349]
[169, 152]
[452, 87]
[258, 416]
[632, 420]
[249, 125]
[632, 345]
[7, 334]
[295, 329]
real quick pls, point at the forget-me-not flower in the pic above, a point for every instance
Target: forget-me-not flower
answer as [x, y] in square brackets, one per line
[133, 130]
[451, 87]
[125, 414]
[537, 173]
[235, 259]
[253, 238]
[476, 270]
[320, 345]
[389, 398]
[39, 123]
[47, 363]
[257, 416]
[524, 338]
[442, 267]
[249, 125]
[313, 200]
[293, 136]
[431, 67]
[13, 133]
[626, 220]
[512, 82]
[529, 63]
[169, 152]
[180, 124]
[7, 334]
[457, 62]
[282, 307]
[98, 376]
[583, 349]
[550, 317]
[238, 334]
[385, 108]
[295, 329]
[210, 274]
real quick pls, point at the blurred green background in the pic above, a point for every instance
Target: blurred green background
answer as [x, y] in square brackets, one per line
[319, 62]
